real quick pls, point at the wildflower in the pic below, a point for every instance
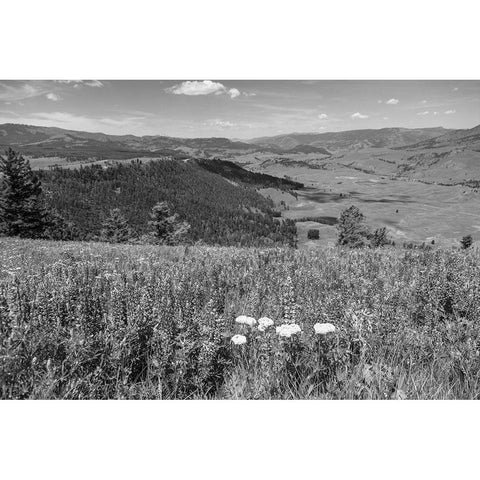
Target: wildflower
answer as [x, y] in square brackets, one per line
[239, 339]
[264, 323]
[288, 329]
[243, 319]
[323, 328]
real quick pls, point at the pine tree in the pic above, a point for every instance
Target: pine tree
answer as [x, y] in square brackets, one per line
[116, 228]
[21, 209]
[167, 228]
[352, 231]
[57, 228]
[379, 238]
[466, 242]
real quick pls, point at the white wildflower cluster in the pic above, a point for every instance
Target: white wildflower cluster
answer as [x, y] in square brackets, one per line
[288, 329]
[239, 339]
[244, 320]
[323, 328]
[264, 323]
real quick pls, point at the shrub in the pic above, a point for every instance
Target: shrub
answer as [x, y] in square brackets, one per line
[313, 234]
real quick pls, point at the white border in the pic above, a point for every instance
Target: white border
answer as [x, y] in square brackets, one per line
[367, 39]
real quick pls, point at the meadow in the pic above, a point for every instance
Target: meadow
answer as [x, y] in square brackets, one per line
[422, 204]
[99, 321]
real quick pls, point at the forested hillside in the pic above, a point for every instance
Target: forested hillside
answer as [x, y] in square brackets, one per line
[218, 211]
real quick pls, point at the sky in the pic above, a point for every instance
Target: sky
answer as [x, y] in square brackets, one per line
[239, 109]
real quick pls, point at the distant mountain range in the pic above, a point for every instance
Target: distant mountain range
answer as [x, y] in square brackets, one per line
[352, 139]
[75, 145]
[469, 139]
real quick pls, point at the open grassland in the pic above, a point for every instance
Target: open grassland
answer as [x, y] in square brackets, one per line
[419, 205]
[91, 320]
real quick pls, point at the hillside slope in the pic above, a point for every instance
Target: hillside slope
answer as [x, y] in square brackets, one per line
[219, 211]
[76, 145]
[353, 139]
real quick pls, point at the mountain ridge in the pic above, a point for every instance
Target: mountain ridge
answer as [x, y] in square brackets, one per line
[41, 141]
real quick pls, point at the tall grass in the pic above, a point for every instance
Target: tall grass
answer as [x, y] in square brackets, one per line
[90, 320]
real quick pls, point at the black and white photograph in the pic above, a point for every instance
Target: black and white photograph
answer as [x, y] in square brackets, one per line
[210, 247]
[231, 257]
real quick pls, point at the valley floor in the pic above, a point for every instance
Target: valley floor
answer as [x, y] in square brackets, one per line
[415, 207]
[92, 320]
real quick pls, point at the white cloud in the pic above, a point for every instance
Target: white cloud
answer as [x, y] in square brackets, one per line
[53, 97]
[393, 101]
[358, 115]
[423, 113]
[249, 94]
[450, 112]
[80, 83]
[17, 91]
[205, 87]
[455, 89]
[435, 113]
[323, 116]
[220, 123]
[385, 118]
[379, 101]
[423, 102]
[93, 83]
[233, 92]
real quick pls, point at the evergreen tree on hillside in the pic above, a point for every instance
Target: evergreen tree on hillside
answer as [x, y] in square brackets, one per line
[379, 238]
[167, 229]
[116, 228]
[466, 242]
[57, 228]
[21, 210]
[352, 231]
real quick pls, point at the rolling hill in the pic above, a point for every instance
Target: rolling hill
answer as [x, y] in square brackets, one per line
[469, 139]
[74, 145]
[352, 139]
[38, 142]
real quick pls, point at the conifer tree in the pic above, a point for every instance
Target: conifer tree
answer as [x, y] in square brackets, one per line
[21, 209]
[116, 228]
[466, 241]
[167, 229]
[352, 231]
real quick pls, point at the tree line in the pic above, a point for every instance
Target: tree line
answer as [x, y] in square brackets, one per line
[164, 200]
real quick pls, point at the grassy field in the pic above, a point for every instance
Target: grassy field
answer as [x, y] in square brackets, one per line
[413, 206]
[91, 320]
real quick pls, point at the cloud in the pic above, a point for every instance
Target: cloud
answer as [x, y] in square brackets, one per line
[455, 89]
[385, 118]
[15, 91]
[358, 115]
[450, 112]
[53, 97]
[379, 101]
[323, 116]
[423, 113]
[80, 83]
[233, 92]
[435, 113]
[93, 83]
[220, 123]
[423, 102]
[205, 87]
[393, 101]
[249, 94]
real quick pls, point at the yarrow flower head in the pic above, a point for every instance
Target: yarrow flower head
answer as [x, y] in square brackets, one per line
[264, 323]
[288, 329]
[239, 339]
[243, 319]
[323, 328]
